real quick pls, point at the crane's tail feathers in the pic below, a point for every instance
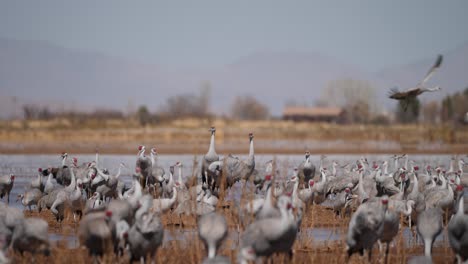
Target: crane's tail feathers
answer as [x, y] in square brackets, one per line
[392, 92]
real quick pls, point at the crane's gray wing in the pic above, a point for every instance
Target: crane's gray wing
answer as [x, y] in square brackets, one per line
[431, 70]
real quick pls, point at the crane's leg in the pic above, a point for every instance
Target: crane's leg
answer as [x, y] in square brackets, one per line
[386, 252]
[370, 255]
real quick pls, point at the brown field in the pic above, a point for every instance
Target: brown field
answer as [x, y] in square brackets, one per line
[190, 136]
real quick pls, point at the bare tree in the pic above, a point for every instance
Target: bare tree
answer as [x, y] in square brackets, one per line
[356, 96]
[189, 104]
[143, 115]
[248, 108]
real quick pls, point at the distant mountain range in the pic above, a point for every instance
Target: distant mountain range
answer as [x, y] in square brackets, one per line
[35, 71]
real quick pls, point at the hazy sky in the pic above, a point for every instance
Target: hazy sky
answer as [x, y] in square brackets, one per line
[370, 34]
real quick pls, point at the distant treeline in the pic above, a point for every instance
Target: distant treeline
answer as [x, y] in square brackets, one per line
[355, 97]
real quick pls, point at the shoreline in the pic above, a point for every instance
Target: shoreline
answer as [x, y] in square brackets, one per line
[33, 150]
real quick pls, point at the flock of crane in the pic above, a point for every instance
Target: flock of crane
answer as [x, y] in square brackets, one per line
[126, 220]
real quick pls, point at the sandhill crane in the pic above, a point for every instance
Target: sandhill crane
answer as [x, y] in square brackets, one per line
[307, 194]
[49, 185]
[385, 184]
[296, 201]
[429, 227]
[107, 184]
[366, 227]
[62, 174]
[6, 184]
[233, 168]
[418, 198]
[121, 235]
[392, 222]
[9, 218]
[442, 198]
[48, 200]
[271, 235]
[212, 229]
[135, 195]
[169, 184]
[95, 232]
[210, 157]
[180, 179]
[94, 203]
[306, 170]
[30, 197]
[144, 163]
[76, 202]
[63, 195]
[37, 183]
[268, 209]
[162, 205]
[145, 236]
[157, 171]
[419, 89]
[320, 189]
[458, 231]
[31, 235]
[340, 201]
[121, 210]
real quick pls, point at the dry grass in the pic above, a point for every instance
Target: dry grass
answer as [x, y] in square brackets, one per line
[191, 136]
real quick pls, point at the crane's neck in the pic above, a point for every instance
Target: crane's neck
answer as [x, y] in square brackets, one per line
[251, 158]
[211, 250]
[174, 195]
[143, 209]
[324, 177]
[180, 175]
[460, 166]
[415, 189]
[72, 185]
[102, 174]
[284, 218]
[251, 148]
[461, 206]
[268, 197]
[432, 89]
[334, 165]
[137, 193]
[64, 161]
[385, 168]
[427, 247]
[49, 178]
[171, 178]
[153, 159]
[409, 209]
[362, 193]
[97, 159]
[118, 172]
[444, 182]
[406, 162]
[296, 186]
[452, 165]
[212, 150]
[396, 164]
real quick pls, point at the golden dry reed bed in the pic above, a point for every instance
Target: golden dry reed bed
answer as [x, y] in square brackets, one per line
[190, 136]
